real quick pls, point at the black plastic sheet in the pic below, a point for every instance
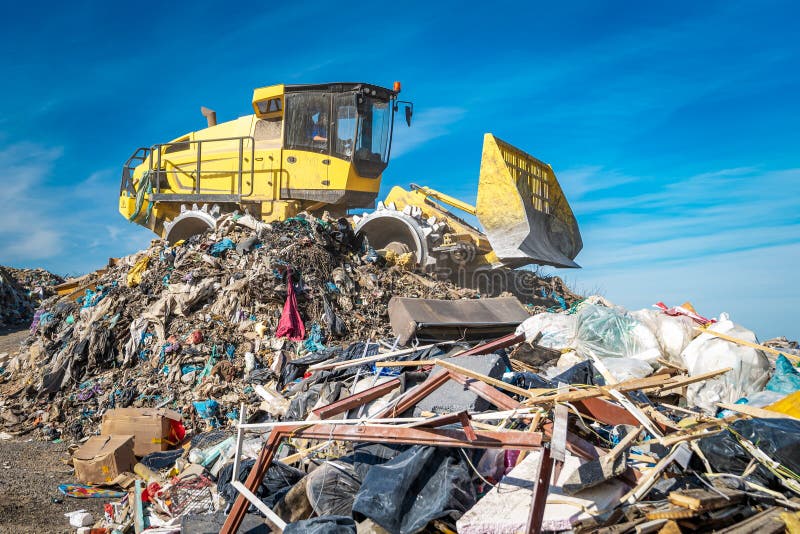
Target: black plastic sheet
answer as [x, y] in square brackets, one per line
[275, 484]
[422, 484]
[777, 438]
[331, 524]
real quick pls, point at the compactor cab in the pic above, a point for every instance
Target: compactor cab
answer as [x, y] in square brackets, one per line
[306, 147]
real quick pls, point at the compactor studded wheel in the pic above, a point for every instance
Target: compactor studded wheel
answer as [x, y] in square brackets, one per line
[401, 232]
[191, 221]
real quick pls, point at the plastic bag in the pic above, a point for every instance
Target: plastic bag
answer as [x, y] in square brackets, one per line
[627, 368]
[776, 437]
[277, 481]
[750, 367]
[331, 488]
[673, 333]
[786, 379]
[329, 524]
[420, 485]
[614, 333]
[558, 329]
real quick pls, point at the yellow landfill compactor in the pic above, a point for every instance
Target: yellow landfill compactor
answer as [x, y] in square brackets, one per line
[324, 147]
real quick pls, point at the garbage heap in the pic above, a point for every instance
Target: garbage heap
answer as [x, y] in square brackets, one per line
[285, 375]
[205, 320]
[590, 419]
[21, 292]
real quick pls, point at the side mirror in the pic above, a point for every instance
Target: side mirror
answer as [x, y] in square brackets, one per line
[409, 113]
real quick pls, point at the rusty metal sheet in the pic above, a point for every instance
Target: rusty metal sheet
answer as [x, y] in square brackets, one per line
[454, 319]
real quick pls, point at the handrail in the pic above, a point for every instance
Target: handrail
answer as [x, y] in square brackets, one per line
[199, 172]
[126, 183]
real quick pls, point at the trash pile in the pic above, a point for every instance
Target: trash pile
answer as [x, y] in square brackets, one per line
[287, 374]
[21, 291]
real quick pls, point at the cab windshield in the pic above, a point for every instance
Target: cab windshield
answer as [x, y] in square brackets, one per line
[373, 136]
[350, 126]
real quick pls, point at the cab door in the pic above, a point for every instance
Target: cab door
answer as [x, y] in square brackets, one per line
[305, 158]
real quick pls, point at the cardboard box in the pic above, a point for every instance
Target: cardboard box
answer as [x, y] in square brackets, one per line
[151, 427]
[102, 458]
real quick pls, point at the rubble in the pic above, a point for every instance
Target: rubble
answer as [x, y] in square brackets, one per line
[251, 375]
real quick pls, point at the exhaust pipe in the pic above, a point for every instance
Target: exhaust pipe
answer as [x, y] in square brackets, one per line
[210, 115]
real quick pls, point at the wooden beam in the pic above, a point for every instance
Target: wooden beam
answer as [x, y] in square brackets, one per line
[677, 382]
[447, 364]
[367, 359]
[746, 343]
[752, 411]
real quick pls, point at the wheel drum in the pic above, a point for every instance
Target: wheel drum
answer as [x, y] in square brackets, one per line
[387, 228]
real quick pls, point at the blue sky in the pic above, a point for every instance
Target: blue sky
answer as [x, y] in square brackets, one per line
[672, 129]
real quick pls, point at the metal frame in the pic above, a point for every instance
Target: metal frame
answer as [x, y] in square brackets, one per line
[510, 439]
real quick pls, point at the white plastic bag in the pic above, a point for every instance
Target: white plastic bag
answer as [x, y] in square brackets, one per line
[614, 333]
[627, 368]
[558, 329]
[750, 367]
[672, 333]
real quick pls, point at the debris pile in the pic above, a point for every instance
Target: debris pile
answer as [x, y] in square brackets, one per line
[21, 291]
[287, 374]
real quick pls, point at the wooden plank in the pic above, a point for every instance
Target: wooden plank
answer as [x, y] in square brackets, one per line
[746, 343]
[271, 516]
[368, 359]
[411, 363]
[599, 391]
[296, 457]
[701, 500]
[766, 522]
[483, 378]
[752, 411]
[676, 382]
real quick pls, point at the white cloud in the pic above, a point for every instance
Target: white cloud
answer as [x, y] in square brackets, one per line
[54, 223]
[726, 240]
[27, 231]
[755, 286]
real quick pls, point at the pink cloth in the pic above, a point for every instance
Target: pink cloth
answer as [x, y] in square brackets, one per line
[290, 325]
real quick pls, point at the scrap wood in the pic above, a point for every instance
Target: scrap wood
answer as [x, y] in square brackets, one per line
[598, 391]
[483, 378]
[672, 365]
[671, 512]
[680, 453]
[752, 411]
[702, 500]
[368, 359]
[765, 522]
[746, 343]
[676, 382]
[697, 431]
[299, 455]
